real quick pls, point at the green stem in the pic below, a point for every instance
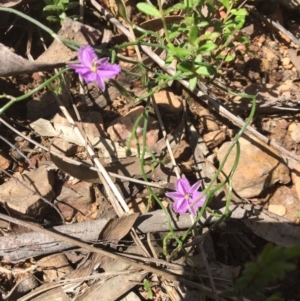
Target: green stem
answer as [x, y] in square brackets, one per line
[209, 193]
[142, 163]
[133, 133]
[44, 84]
[163, 19]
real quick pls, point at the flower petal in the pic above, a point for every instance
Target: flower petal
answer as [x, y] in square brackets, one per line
[87, 55]
[195, 186]
[89, 77]
[201, 201]
[174, 195]
[103, 61]
[81, 70]
[109, 71]
[193, 210]
[180, 205]
[195, 196]
[100, 82]
[182, 185]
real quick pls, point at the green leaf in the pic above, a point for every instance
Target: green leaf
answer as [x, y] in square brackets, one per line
[193, 83]
[169, 60]
[205, 70]
[185, 67]
[202, 24]
[239, 12]
[62, 16]
[71, 5]
[193, 35]
[51, 8]
[174, 35]
[122, 10]
[178, 51]
[229, 58]
[272, 264]
[147, 284]
[52, 19]
[48, 2]
[177, 6]
[148, 9]
[211, 35]
[225, 3]
[243, 39]
[207, 47]
[226, 58]
[198, 60]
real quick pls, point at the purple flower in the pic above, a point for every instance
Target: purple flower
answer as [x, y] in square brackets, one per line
[92, 69]
[186, 197]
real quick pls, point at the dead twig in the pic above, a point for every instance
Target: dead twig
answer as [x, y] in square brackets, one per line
[253, 11]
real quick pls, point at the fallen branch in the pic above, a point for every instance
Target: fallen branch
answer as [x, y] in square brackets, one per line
[271, 227]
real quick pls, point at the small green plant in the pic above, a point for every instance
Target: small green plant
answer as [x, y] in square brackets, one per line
[55, 10]
[203, 40]
[147, 288]
[272, 264]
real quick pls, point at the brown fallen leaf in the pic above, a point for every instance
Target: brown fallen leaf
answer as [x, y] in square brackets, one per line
[116, 229]
[13, 64]
[295, 58]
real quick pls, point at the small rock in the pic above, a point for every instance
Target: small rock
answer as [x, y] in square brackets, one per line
[121, 128]
[292, 126]
[295, 134]
[168, 101]
[25, 201]
[296, 179]
[283, 124]
[259, 167]
[92, 122]
[75, 201]
[4, 160]
[207, 121]
[289, 67]
[215, 138]
[261, 39]
[277, 209]
[54, 266]
[62, 146]
[286, 197]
